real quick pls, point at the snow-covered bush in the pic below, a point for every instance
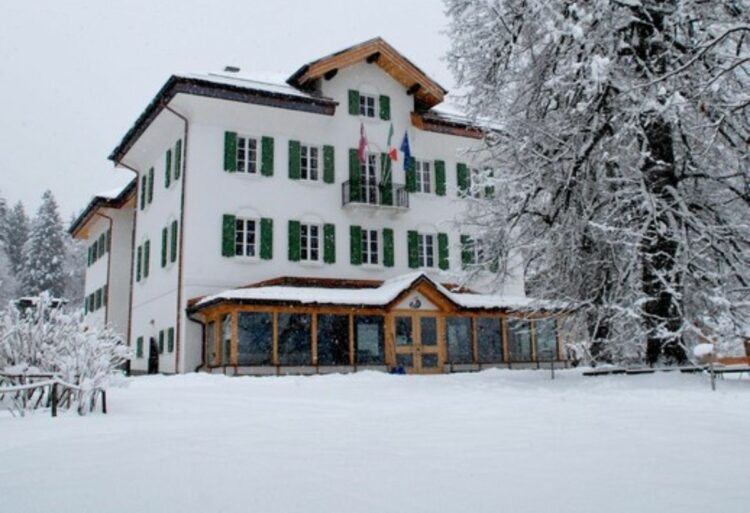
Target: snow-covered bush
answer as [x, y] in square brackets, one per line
[47, 339]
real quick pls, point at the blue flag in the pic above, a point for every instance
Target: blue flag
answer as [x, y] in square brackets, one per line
[406, 150]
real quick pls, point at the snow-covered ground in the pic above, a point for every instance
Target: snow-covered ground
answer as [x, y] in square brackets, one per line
[493, 441]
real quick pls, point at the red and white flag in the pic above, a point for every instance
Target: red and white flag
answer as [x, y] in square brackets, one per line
[362, 143]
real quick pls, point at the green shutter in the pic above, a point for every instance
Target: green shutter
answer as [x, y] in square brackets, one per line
[146, 257]
[440, 177]
[353, 102]
[138, 264]
[386, 184]
[161, 341]
[354, 175]
[385, 107]
[294, 235]
[462, 177]
[329, 168]
[266, 238]
[164, 244]
[170, 340]
[230, 152]
[88, 262]
[151, 185]
[355, 244]
[413, 247]
[388, 253]
[266, 167]
[294, 160]
[178, 159]
[168, 169]
[173, 252]
[144, 190]
[227, 235]
[443, 262]
[139, 347]
[411, 175]
[98, 298]
[467, 255]
[329, 243]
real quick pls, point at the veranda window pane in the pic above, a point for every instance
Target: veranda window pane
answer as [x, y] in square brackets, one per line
[369, 340]
[226, 337]
[546, 341]
[333, 340]
[428, 327]
[519, 340]
[458, 338]
[210, 343]
[403, 331]
[254, 338]
[295, 341]
[489, 340]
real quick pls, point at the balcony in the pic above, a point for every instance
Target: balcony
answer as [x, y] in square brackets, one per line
[377, 194]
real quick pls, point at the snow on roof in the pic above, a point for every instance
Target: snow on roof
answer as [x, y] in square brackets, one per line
[111, 194]
[271, 82]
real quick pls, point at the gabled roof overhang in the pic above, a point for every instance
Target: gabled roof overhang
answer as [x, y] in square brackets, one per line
[79, 227]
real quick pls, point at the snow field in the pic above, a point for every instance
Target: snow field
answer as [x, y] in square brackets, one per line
[485, 442]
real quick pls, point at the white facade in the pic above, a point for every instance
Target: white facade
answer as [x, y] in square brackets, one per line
[204, 193]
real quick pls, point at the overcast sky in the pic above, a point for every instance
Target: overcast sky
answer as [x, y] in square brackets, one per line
[75, 74]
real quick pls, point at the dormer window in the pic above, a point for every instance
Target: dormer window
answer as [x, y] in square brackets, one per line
[366, 105]
[369, 105]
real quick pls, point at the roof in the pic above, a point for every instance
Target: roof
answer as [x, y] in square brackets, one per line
[426, 90]
[364, 294]
[114, 198]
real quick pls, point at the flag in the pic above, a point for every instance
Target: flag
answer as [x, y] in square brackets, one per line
[406, 150]
[392, 150]
[362, 143]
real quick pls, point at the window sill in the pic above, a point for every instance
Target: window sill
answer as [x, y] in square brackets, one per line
[311, 263]
[246, 259]
[372, 267]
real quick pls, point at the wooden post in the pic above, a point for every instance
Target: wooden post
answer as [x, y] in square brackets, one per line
[53, 391]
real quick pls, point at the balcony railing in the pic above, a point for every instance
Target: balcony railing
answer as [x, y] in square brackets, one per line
[371, 192]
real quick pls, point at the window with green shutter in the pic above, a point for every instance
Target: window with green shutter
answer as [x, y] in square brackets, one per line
[173, 247]
[329, 243]
[161, 341]
[139, 347]
[294, 159]
[355, 244]
[151, 185]
[353, 102]
[164, 245]
[462, 178]
[329, 167]
[294, 247]
[266, 238]
[266, 167]
[354, 175]
[144, 190]
[227, 235]
[440, 177]
[168, 169]
[388, 250]
[443, 261]
[170, 340]
[138, 263]
[385, 107]
[386, 187]
[412, 239]
[178, 159]
[98, 298]
[146, 257]
[230, 152]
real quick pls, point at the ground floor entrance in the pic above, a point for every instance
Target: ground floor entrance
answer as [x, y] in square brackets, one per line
[416, 343]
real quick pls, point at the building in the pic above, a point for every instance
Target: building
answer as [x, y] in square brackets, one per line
[263, 241]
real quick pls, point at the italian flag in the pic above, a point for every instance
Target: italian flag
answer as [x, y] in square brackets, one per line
[392, 150]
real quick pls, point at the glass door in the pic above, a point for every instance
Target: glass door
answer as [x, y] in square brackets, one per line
[416, 340]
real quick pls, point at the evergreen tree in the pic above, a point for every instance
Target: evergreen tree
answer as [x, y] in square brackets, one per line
[3, 221]
[17, 233]
[44, 253]
[622, 146]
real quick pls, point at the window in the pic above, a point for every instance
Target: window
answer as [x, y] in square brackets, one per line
[519, 340]
[428, 331]
[369, 179]
[245, 237]
[333, 340]
[458, 339]
[424, 176]
[546, 339]
[254, 338]
[211, 343]
[404, 335]
[309, 167]
[226, 339]
[139, 347]
[295, 339]
[309, 242]
[370, 247]
[247, 155]
[426, 249]
[369, 340]
[489, 340]
[366, 105]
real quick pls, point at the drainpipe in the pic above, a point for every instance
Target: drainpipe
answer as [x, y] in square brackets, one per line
[109, 263]
[178, 313]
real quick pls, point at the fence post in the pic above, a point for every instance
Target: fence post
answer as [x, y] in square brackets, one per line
[53, 388]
